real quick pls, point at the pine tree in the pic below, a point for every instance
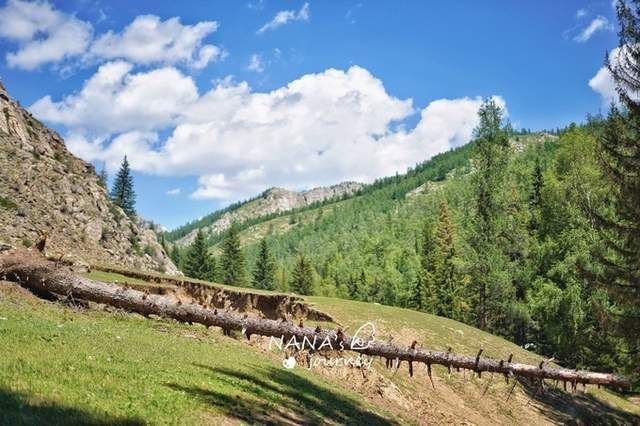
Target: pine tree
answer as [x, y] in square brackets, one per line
[302, 276]
[619, 155]
[197, 262]
[264, 274]
[233, 270]
[122, 192]
[492, 150]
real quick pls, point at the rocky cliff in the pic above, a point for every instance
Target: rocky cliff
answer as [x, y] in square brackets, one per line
[44, 189]
[274, 200]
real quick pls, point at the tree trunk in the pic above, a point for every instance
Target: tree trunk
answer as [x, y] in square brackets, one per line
[41, 275]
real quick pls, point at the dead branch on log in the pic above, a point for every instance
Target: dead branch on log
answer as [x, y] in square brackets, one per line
[43, 276]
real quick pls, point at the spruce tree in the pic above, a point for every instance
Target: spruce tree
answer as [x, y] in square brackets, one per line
[264, 274]
[197, 262]
[422, 297]
[122, 192]
[232, 263]
[302, 276]
[619, 155]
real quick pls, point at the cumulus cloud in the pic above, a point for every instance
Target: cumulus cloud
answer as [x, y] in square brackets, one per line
[599, 23]
[319, 129]
[116, 100]
[255, 63]
[603, 84]
[149, 40]
[285, 16]
[43, 34]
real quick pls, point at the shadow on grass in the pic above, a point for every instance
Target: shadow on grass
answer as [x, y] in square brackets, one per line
[577, 408]
[16, 409]
[278, 396]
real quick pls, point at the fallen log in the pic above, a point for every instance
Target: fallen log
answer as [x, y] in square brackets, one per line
[44, 276]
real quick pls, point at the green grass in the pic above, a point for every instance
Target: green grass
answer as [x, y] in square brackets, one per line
[7, 203]
[112, 277]
[61, 365]
[65, 365]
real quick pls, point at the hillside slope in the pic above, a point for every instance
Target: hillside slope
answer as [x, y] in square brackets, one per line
[106, 367]
[46, 189]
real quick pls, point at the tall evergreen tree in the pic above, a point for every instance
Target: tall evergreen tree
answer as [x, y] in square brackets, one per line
[535, 197]
[232, 265]
[122, 192]
[445, 283]
[492, 151]
[302, 276]
[264, 274]
[197, 262]
[619, 155]
[422, 297]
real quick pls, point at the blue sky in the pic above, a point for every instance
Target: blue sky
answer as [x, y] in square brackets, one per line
[236, 96]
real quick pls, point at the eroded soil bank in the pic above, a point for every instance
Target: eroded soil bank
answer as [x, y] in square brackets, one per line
[272, 305]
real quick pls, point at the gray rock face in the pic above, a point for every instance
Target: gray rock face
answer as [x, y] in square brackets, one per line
[46, 189]
[274, 200]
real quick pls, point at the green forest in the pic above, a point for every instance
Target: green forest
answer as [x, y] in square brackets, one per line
[531, 236]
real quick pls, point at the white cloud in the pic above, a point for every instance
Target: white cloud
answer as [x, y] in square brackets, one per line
[149, 40]
[43, 34]
[173, 192]
[255, 63]
[115, 100]
[602, 82]
[285, 16]
[319, 129]
[599, 23]
[581, 13]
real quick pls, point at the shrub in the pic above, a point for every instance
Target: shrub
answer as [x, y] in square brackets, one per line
[7, 203]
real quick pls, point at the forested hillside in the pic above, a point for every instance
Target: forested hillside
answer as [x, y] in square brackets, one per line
[419, 241]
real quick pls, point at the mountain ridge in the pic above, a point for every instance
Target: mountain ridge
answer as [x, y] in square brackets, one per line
[271, 201]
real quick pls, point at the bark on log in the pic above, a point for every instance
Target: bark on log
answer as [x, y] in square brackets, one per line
[43, 276]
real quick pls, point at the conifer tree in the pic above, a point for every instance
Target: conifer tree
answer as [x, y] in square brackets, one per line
[535, 197]
[302, 276]
[422, 297]
[492, 150]
[232, 265]
[197, 262]
[445, 284]
[175, 256]
[122, 192]
[264, 274]
[619, 155]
